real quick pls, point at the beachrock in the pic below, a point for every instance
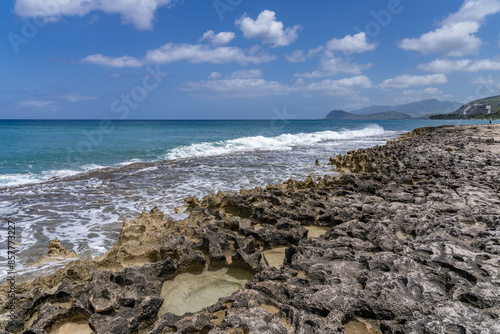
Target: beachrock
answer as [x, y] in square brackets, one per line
[411, 245]
[55, 252]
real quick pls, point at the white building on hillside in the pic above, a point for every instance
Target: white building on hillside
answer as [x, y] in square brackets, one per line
[477, 109]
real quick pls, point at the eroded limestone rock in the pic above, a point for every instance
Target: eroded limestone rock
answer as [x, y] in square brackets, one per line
[407, 240]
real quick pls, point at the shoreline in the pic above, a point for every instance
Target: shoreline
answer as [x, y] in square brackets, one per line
[411, 234]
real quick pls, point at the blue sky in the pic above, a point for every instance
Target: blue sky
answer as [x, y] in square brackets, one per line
[241, 59]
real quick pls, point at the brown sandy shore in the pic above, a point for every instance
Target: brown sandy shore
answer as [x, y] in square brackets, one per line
[406, 239]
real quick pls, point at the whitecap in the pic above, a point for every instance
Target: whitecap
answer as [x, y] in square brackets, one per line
[284, 142]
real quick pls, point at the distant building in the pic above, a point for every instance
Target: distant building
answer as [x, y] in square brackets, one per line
[477, 109]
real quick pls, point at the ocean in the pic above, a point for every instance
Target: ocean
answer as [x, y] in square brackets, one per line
[80, 180]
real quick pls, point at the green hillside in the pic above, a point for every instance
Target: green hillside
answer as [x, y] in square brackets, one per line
[494, 101]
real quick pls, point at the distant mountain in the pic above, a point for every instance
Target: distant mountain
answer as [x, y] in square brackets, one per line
[339, 114]
[386, 115]
[415, 109]
[494, 101]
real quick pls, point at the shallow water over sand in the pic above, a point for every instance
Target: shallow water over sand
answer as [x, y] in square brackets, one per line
[316, 231]
[192, 292]
[73, 328]
[275, 256]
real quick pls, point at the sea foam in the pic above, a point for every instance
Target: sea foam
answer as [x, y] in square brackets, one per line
[284, 142]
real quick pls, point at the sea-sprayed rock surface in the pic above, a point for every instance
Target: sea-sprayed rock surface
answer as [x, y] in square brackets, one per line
[406, 239]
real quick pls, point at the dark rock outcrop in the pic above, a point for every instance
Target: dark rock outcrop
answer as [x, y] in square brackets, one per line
[412, 245]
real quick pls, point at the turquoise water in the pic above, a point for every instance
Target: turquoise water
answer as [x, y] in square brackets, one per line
[79, 180]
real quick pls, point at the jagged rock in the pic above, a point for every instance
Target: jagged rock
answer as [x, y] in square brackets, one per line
[412, 246]
[55, 252]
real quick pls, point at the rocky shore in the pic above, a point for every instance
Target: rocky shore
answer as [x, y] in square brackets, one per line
[405, 239]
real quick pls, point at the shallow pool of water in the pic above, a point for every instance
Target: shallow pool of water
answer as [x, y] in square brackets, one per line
[275, 256]
[192, 292]
[73, 328]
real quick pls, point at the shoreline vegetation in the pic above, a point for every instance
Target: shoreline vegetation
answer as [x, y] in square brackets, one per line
[406, 238]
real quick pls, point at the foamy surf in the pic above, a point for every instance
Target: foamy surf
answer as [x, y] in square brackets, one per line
[17, 179]
[284, 142]
[86, 211]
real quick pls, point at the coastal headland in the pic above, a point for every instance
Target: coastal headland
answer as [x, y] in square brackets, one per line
[405, 239]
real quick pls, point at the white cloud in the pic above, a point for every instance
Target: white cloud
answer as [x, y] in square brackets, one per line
[445, 66]
[351, 44]
[405, 81]
[38, 104]
[474, 10]
[236, 87]
[232, 86]
[77, 98]
[140, 13]
[197, 53]
[119, 62]
[341, 86]
[246, 74]
[413, 95]
[484, 81]
[484, 65]
[460, 65]
[219, 39]
[200, 53]
[331, 65]
[267, 29]
[297, 56]
[456, 35]
[215, 76]
[454, 40]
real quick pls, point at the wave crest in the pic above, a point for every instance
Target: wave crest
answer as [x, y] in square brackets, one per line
[284, 142]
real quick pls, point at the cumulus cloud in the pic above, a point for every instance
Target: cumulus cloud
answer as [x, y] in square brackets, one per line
[351, 44]
[215, 76]
[235, 86]
[474, 10]
[460, 65]
[200, 53]
[330, 62]
[246, 74]
[456, 35]
[412, 95]
[297, 56]
[484, 81]
[139, 13]
[119, 62]
[331, 65]
[219, 39]
[267, 29]
[192, 53]
[405, 81]
[334, 87]
[454, 40]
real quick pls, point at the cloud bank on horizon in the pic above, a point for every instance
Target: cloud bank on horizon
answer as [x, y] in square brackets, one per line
[326, 56]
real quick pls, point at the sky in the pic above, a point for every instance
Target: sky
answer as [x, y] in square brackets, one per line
[241, 59]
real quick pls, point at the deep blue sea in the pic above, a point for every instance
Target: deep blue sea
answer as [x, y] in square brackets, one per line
[79, 180]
